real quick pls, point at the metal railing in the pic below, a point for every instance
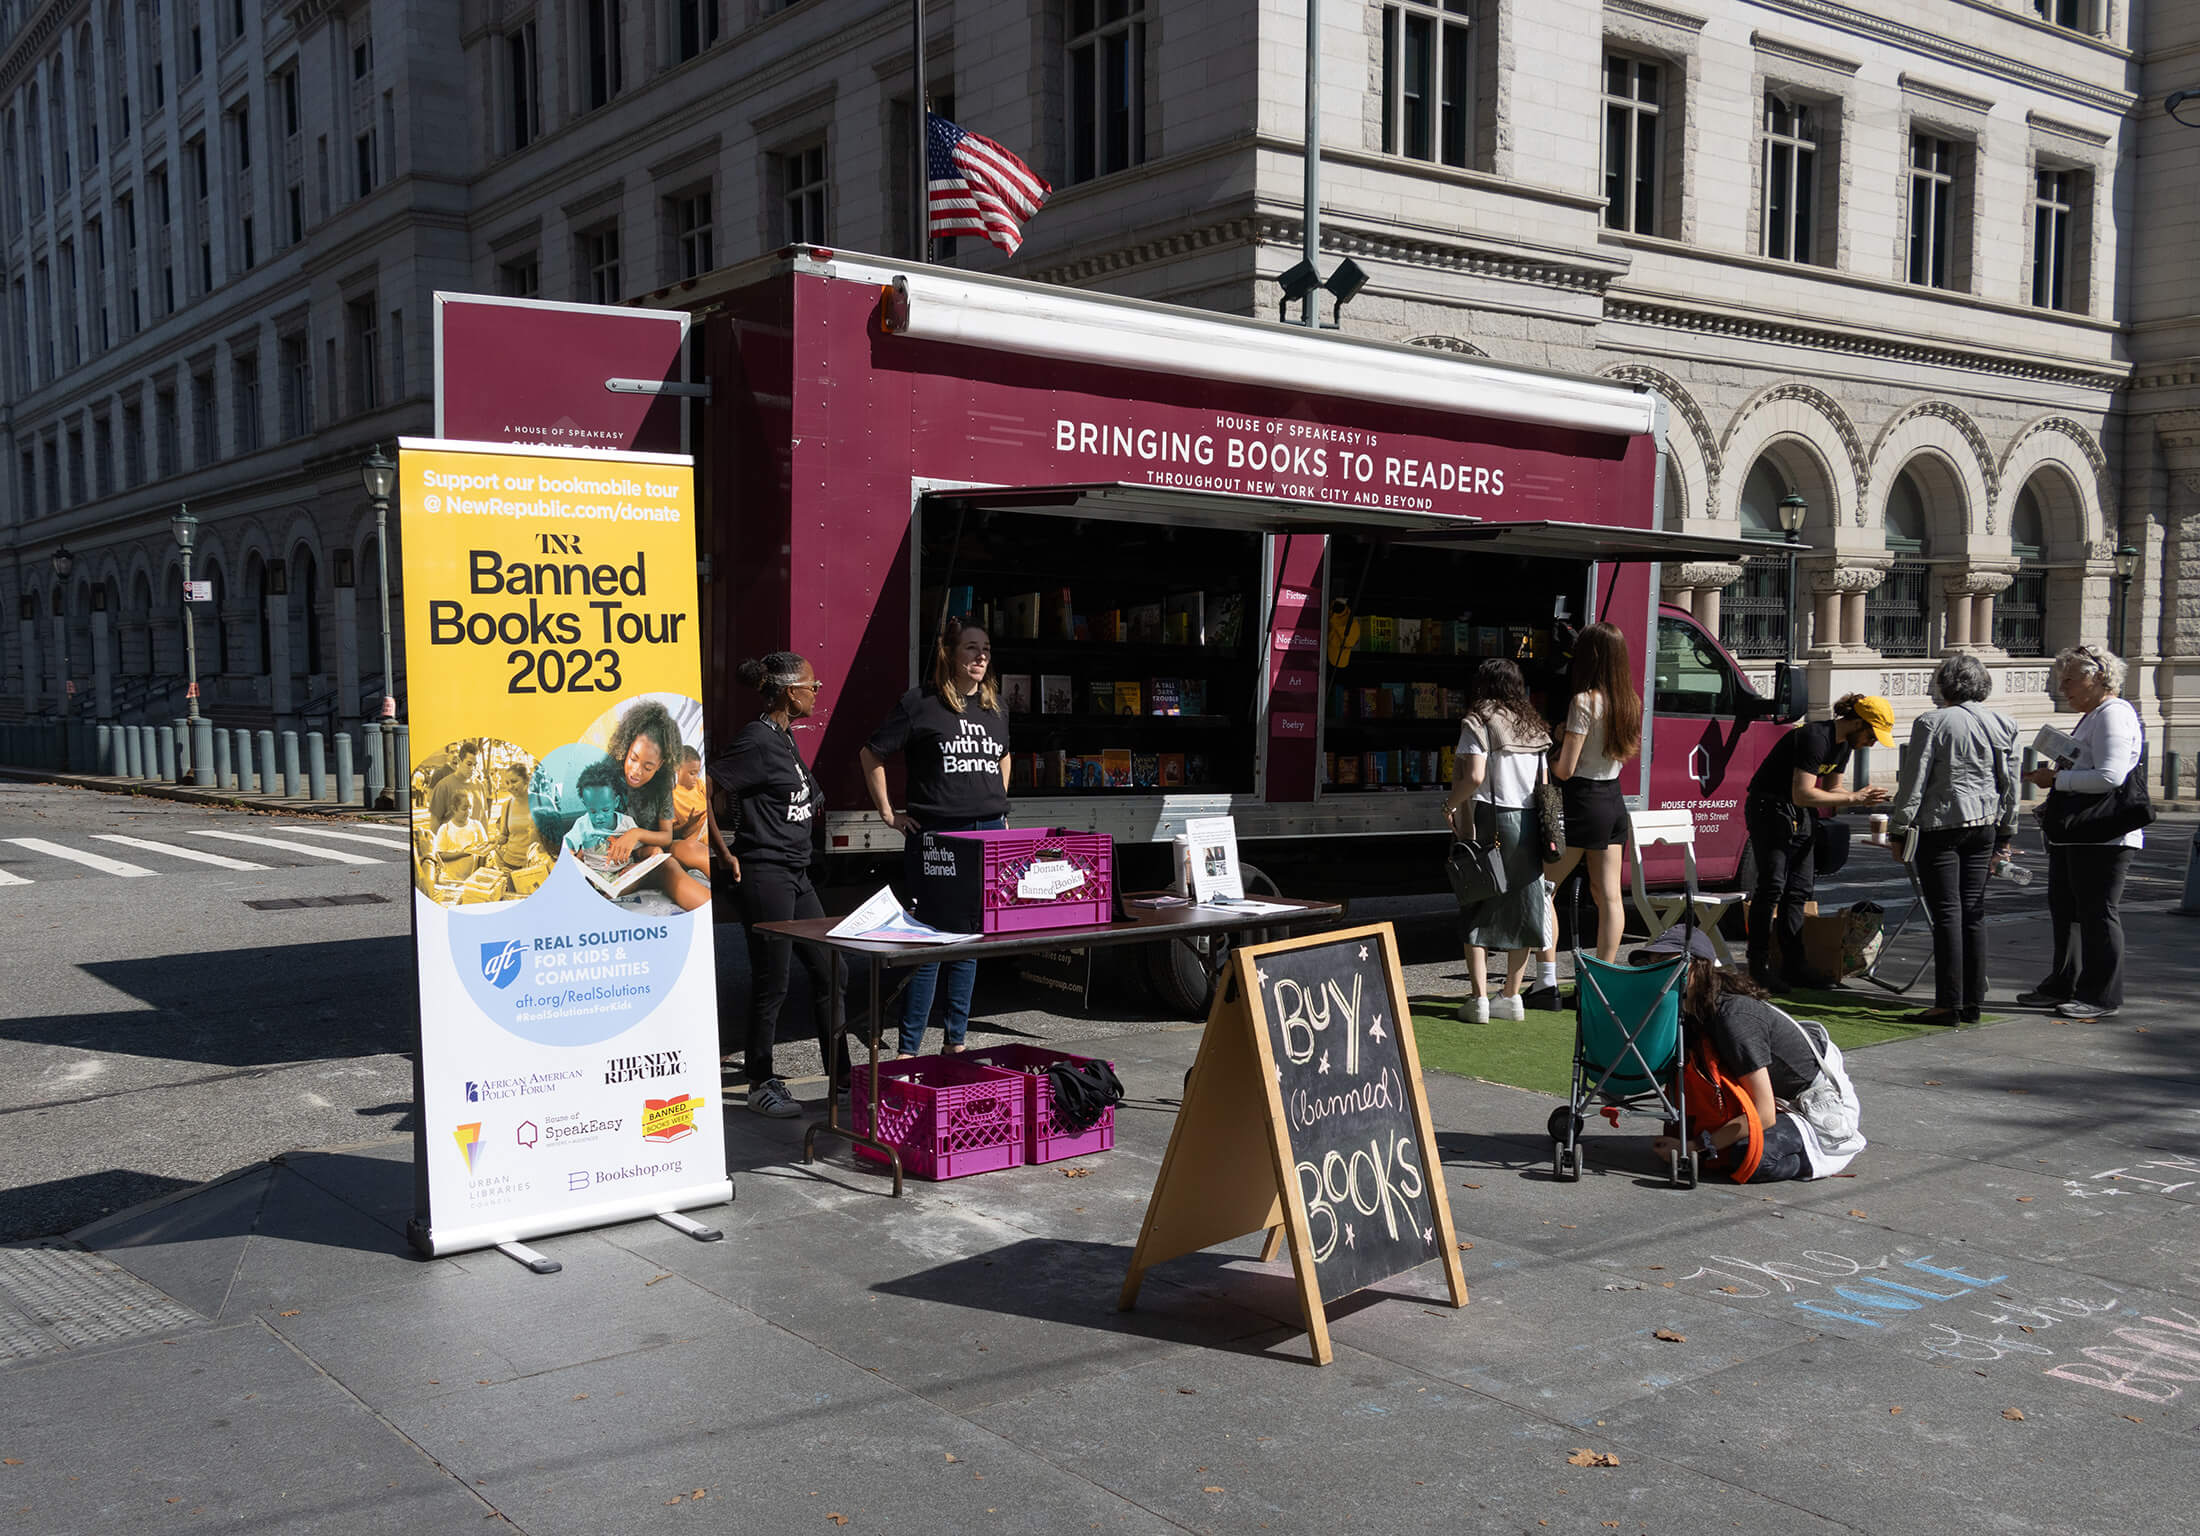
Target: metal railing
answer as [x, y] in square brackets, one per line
[1894, 611]
[1753, 612]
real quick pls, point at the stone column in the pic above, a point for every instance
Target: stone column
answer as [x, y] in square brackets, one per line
[1696, 584]
[1970, 606]
[103, 665]
[1838, 598]
[277, 610]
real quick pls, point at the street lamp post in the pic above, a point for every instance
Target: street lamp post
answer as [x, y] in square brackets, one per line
[1793, 509]
[186, 529]
[2127, 566]
[379, 473]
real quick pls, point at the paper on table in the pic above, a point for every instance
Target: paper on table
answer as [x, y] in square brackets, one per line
[884, 919]
[1246, 905]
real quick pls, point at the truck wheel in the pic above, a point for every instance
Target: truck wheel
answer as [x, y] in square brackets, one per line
[1179, 968]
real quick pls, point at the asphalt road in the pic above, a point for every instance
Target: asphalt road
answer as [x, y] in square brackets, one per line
[156, 1029]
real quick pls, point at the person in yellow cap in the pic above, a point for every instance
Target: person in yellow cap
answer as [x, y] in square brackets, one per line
[1791, 789]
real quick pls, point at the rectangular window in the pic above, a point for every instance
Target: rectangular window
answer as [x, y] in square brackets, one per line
[295, 354]
[296, 206]
[126, 217]
[600, 265]
[698, 24]
[2074, 14]
[95, 240]
[195, 51]
[1107, 86]
[167, 433]
[362, 56]
[288, 92]
[1631, 148]
[520, 279]
[1932, 210]
[133, 445]
[244, 400]
[250, 249]
[103, 456]
[366, 363]
[1428, 80]
[27, 487]
[2054, 205]
[521, 89]
[603, 46]
[362, 163]
[72, 338]
[154, 45]
[205, 447]
[807, 195]
[76, 467]
[691, 229]
[194, 158]
[240, 124]
[1790, 180]
[52, 449]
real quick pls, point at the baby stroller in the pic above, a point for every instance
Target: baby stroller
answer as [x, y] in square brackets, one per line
[1628, 1048]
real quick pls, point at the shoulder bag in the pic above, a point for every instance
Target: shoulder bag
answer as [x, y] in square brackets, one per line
[1476, 869]
[1550, 814]
[2069, 816]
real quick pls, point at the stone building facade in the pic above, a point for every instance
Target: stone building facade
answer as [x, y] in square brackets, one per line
[1924, 267]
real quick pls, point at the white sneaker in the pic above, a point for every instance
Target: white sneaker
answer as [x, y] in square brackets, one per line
[1508, 1008]
[1475, 1010]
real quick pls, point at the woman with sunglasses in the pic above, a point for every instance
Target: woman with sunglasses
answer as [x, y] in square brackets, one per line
[776, 803]
[952, 735]
[2085, 881]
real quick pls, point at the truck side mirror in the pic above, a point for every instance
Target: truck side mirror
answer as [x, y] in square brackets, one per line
[1790, 693]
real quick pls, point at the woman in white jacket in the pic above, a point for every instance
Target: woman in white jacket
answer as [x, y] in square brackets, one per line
[2085, 881]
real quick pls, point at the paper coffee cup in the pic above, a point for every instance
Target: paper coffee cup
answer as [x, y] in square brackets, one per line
[1879, 830]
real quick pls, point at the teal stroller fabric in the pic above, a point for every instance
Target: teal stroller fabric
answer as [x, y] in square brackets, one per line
[1628, 1044]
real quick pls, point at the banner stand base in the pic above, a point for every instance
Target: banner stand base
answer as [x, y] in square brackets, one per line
[687, 1224]
[540, 1263]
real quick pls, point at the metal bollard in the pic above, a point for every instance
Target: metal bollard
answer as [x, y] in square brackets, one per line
[1860, 776]
[401, 769]
[205, 766]
[224, 776]
[290, 765]
[2170, 766]
[166, 736]
[127, 743]
[2027, 789]
[105, 759]
[245, 781]
[149, 743]
[316, 767]
[343, 768]
[266, 744]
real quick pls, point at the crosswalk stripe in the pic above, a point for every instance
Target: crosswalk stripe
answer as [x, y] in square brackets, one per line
[8, 879]
[177, 850]
[395, 842]
[98, 861]
[333, 855]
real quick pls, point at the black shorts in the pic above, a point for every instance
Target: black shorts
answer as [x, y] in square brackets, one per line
[1596, 813]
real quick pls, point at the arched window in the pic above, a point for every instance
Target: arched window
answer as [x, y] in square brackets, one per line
[38, 151]
[63, 161]
[1894, 612]
[2020, 611]
[13, 157]
[1753, 612]
[87, 99]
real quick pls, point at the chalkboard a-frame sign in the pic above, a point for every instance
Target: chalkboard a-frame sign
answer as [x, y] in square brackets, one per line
[1304, 1116]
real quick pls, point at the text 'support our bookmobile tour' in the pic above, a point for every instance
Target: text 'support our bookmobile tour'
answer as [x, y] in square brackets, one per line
[567, 997]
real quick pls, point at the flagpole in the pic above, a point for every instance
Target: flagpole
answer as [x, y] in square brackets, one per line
[1313, 219]
[920, 206]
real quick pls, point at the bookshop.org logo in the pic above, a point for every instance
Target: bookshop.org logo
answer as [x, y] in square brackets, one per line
[500, 963]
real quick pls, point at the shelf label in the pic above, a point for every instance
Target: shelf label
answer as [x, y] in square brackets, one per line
[1292, 723]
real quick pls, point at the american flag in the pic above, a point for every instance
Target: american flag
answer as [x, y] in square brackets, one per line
[976, 187]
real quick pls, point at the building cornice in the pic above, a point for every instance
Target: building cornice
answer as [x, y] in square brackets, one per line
[1941, 95]
[2039, 122]
[30, 44]
[1657, 15]
[1800, 53]
[1939, 45]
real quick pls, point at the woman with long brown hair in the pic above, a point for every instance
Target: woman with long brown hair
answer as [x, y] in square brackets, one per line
[1603, 730]
[953, 737]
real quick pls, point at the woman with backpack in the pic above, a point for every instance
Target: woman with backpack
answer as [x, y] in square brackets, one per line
[1501, 745]
[1794, 1109]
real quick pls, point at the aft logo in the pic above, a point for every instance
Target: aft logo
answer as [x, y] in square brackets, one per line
[500, 963]
[468, 1138]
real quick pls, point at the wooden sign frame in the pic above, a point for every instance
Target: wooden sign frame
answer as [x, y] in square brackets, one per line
[1230, 1170]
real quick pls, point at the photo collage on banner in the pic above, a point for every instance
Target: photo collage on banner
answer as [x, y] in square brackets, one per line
[569, 1058]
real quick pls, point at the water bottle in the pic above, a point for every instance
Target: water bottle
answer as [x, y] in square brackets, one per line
[2006, 868]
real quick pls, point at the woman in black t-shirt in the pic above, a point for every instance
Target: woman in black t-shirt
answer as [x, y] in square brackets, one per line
[777, 801]
[953, 738]
[1787, 794]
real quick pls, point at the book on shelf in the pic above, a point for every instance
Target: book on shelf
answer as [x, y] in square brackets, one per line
[1447, 764]
[1080, 628]
[1408, 635]
[1344, 701]
[1399, 705]
[1057, 694]
[1489, 639]
[962, 602]
[1051, 769]
[1459, 639]
[1520, 642]
[1164, 696]
[1329, 768]
[1089, 773]
[1172, 770]
[1142, 624]
[1196, 770]
[1382, 634]
[1184, 619]
[1099, 697]
[1226, 620]
[1020, 616]
[1455, 703]
[1016, 692]
[1428, 701]
[1021, 770]
[1106, 625]
[1145, 770]
[1374, 704]
[1435, 637]
[1192, 695]
[1115, 768]
[1346, 771]
[1127, 700]
[1061, 618]
[1409, 767]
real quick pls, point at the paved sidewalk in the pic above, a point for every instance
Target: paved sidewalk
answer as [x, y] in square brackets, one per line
[1995, 1325]
[283, 805]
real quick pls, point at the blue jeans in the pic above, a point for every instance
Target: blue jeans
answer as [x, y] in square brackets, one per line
[961, 977]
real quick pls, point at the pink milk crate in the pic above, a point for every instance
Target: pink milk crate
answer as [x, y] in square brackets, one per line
[948, 1116]
[1014, 879]
[1045, 1139]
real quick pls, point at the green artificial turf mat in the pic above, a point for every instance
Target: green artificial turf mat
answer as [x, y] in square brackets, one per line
[1536, 1053]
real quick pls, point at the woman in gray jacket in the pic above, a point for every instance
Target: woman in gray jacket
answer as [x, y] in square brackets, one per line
[1959, 791]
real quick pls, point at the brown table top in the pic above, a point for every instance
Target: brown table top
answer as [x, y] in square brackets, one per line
[1143, 924]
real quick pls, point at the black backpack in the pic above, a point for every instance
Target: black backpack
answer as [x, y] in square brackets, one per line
[1082, 1092]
